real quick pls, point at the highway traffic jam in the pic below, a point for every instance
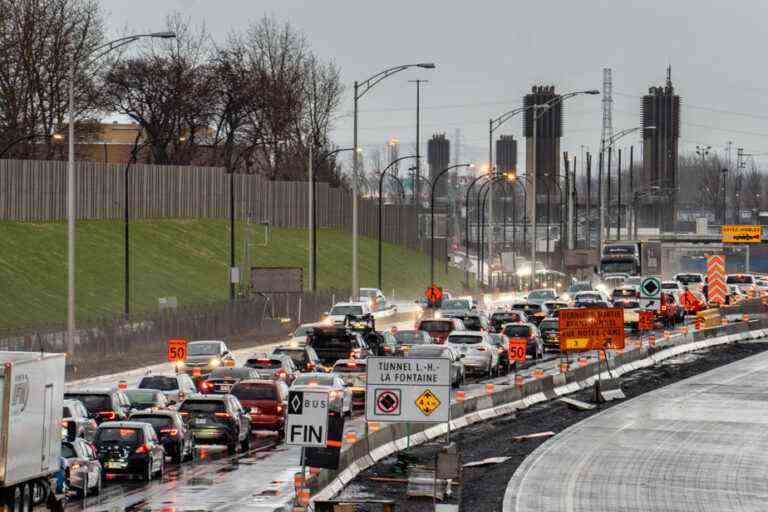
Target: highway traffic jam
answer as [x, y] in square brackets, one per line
[135, 430]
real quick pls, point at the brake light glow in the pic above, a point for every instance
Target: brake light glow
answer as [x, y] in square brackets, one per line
[481, 349]
[64, 423]
[311, 366]
[221, 414]
[170, 431]
[206, 385]
[142, 449]
[110, 415]
[351, 364]
[183, 413]
[279, 409]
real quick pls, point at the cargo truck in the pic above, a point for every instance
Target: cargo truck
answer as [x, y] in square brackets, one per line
[31, 397]
[631, 258]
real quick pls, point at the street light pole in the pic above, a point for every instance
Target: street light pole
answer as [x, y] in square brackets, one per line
[432, 219]
[466, 227]
[360, 89]
[381, 194]
[71, 214]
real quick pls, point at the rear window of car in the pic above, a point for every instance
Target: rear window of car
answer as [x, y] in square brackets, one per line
[155, 421]
[140, 396]
[505, 317]
[160, 383]
[669, 286]
[346, 310]
[348, 368]
[689, 278]
[204, 349]
[428, 351]
[230, 373]
[203, 406]
[265, 364]
[456, 304]
[436, 326]
[297, 355]
[461, 339]
[92, 402]
[517, 331]
[739, 279]
[119, 435]
[245, 391]
[626, 304]
[410, 337]
[528, 308]
[549, 325]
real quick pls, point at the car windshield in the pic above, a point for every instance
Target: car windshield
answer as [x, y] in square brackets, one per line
[739, 279]
[202, 406]
[314, 380]
[411, 337]
[251, 391]
[203, 349]
[119, 435]
[517, 331]
[504, 317]
[616, 267]
[549, 325]
[155, 421]
[141, 396]
[159, 382]
[94, 403]
[428, 351]
[67, 451]
[346, 310]
[230, 373]
[302, 331]
[472, 323]
[436, 326]
[462, 339]
[689, 278]
[456, 304]
[297, 355]
[542, 294]
[579, 287]
[669, 286]
[349, 368]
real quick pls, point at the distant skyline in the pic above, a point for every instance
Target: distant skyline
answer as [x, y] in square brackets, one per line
[489, 54]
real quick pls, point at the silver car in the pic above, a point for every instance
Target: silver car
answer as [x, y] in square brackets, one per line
[340, 395]
[480, 354]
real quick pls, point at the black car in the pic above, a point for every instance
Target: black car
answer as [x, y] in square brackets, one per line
[500, 318]
[146, 399]
[103, 405]
[130, 447]
[333, 343]
[550, 333]
[221, 380]
[475, 322]
[75, 412]
[304, 358]
[501, 342]
[173, 433]
[217, 419]
[534, 345]
[534, 312]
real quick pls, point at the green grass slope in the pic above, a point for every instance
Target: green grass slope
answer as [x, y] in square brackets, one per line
[187, 259]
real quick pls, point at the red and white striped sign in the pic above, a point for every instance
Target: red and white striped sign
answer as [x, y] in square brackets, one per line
[717, 289]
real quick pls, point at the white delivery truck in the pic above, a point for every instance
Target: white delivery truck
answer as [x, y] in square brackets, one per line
[31, 396]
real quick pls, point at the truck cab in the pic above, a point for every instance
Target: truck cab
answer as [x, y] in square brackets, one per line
[620, 258]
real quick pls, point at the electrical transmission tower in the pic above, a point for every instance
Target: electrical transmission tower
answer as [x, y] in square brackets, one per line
[607, 107]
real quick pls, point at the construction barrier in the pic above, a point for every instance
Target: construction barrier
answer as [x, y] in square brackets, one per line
[708, 318]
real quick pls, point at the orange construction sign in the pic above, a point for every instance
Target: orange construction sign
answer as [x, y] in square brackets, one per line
[177, 350]
[434, 294]
[716, 288]
[591, 329]
[517, 349]
[645, 322]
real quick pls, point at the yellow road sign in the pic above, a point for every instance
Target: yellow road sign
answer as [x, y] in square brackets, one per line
[427, 402]
[737, 234]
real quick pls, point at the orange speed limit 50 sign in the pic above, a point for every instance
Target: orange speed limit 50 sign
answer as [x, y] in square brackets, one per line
[177, 350]
[591, 328]
[517, 348]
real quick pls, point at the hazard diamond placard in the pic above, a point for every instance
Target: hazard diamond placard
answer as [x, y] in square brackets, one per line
[427, 402]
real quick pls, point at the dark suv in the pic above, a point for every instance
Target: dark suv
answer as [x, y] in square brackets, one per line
[103, 405]
[130, 447]
[550, 333]
[334, 343]
[530, 333]
[221, 380]
[273, 367]
[217, 419]
[172, 432]
[501, 318]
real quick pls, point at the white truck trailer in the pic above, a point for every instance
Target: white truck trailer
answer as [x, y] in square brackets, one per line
[31, 396]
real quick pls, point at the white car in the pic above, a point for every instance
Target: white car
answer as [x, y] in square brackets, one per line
[374, 297]
[175, 387]
[672, 286]
[743, 282]
[340, 396]
[339, 312]
[480, 354]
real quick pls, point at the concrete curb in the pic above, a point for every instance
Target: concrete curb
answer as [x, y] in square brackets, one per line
[506, 401]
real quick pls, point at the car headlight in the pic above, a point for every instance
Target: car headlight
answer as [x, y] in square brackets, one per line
[179, 365]
[438, 315]
[214, 362]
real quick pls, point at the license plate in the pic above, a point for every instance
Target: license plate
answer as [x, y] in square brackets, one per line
[116, 465]
[201, 421]
[225, 387]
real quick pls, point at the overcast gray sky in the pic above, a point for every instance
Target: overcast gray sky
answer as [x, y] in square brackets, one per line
[489, 53]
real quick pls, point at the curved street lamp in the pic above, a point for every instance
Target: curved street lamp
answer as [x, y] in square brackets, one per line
[432, 218]
[94, 55]
[466, 223]
[360, 90]
[381, 194]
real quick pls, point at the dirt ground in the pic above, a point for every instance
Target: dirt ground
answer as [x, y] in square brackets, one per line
[483, 487]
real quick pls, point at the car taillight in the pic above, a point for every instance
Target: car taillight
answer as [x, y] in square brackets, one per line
[481, 349]
[311, 366]
[110, 415]
[142, 449]
[282, 374]
[279, 409]
[222, 414]
[206, 385]
[183, 413]
[501, 350]
[170, 431]
[64, 423]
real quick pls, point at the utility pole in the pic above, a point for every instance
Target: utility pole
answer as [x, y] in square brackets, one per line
[417, 183]
[588, 237]
[618, 203]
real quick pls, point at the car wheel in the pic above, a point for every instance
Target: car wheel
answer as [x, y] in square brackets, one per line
[178, 453]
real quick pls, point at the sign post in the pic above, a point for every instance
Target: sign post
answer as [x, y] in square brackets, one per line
[307, 423]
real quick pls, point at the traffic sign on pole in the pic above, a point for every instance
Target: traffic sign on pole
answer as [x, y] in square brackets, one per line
[416, 390]
[650, 288]
[517, 349]
[307, 423]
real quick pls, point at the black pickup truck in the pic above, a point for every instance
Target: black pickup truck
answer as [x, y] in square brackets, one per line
[332, 343]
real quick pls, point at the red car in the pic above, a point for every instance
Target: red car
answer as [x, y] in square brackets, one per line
[267, 400]
[440, 328]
